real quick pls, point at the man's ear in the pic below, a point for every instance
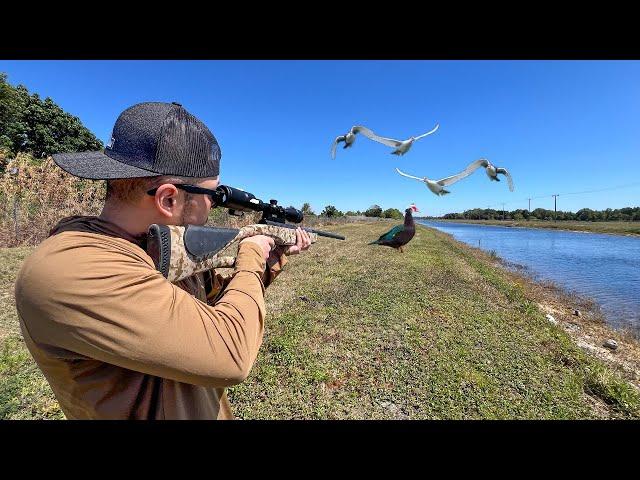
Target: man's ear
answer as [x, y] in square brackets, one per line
[166, 200]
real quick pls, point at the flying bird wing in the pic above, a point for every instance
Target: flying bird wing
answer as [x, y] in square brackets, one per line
[340, 138]
[390, 142]
[428, 133]
[454, 178]
[473, 166]
[409, 176]
[506, 174]
[364, 131]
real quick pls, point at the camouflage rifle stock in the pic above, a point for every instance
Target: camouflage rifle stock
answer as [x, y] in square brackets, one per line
[179, 252]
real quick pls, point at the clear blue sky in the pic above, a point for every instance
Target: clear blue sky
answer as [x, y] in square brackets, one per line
[558, 126]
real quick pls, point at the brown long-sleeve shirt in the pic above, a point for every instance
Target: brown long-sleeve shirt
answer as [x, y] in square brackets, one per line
[116, 340]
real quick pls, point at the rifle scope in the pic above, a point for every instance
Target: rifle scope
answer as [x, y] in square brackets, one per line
[237, 200]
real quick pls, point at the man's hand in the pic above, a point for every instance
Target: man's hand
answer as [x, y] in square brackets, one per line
[264, 242]
[271, 254]
[303, 242]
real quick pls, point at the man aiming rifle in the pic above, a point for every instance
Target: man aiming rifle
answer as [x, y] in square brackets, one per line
[114, 338]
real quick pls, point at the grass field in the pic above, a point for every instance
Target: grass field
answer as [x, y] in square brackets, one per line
[365, 332]
[618, 228]
[24, 392]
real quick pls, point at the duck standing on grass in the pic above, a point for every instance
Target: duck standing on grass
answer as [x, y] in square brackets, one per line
[399, 235]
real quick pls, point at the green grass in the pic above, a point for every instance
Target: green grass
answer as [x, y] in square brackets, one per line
[10, 261]
[24, 392]
[364, 332]
[618, 228]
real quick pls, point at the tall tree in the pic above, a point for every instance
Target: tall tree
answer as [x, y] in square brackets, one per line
[331, 211]
[373, 211]
[306, 209]
[39, 127]
[392, 213]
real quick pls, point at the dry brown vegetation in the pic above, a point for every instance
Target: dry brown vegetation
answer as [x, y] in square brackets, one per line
[34, 196]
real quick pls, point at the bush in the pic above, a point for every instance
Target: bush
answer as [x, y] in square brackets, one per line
[373, 211]
[36, 195]
[331, 211]
[393, 213]
[307, 210]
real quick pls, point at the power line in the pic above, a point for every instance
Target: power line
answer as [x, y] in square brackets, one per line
[603, 189]
[618, 187]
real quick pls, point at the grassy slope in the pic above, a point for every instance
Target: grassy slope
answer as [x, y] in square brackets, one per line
[24, 392]
[435, 332]
[364, 332]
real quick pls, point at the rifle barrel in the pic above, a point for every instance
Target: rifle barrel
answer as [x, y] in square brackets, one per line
[311, 230]
[324, 234]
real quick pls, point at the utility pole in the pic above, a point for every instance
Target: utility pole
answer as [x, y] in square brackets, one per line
[15, 171]
[15, 217]
[555, 197]
[503, 212]
[529, 205]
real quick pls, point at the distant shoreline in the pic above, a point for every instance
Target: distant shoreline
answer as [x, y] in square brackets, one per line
[628, 229]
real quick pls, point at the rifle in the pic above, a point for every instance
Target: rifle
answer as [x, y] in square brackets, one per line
[179, 252]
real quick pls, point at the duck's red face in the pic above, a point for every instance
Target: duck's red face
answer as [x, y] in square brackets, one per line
[414, 208]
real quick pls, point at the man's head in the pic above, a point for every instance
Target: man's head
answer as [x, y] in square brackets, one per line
[168, 200]
[157, 146]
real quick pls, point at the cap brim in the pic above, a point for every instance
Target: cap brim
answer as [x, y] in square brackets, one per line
[98, 166]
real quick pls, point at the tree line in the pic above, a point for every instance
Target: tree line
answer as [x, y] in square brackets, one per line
[627, 214]
[38, 127]
[373, 211]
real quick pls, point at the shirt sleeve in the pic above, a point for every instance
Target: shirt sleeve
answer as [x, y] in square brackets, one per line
[108, 302]
[275, 265]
